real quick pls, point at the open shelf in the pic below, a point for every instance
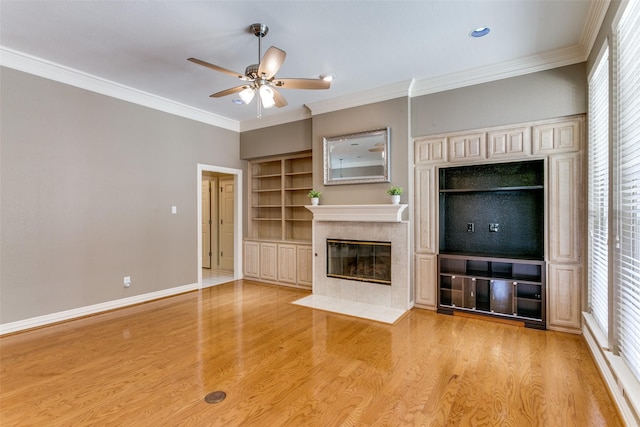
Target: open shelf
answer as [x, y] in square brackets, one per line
[279, 188]
[491, 189]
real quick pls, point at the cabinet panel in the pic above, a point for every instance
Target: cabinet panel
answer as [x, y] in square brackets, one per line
[252, 259]
[467, 147]
[509, 143]
[425, 280]
[565, 199]
[469, 293]
[430, 150]
[287, 263]
[269, 261]
[558, 137]
[425, 209]
[305, 265]
[564, 296]
[501, 296]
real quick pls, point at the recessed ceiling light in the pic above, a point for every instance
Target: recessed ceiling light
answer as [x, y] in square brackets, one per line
[480, 32]
[237, 101]
[327, 77]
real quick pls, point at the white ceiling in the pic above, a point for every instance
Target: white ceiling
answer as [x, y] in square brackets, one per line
[376, 49]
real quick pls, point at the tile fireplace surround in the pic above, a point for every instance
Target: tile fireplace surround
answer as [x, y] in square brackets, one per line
[373, 301]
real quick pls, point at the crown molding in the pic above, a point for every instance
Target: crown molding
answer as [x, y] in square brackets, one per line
[595, 18]
[301, 113]
[358, 99]
[530, 64]
[30, 64]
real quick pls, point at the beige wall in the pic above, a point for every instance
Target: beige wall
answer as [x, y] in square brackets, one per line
[542, 95]
[87, 185]
[281, 139]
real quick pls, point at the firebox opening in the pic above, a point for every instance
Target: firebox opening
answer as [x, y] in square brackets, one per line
[365, 261]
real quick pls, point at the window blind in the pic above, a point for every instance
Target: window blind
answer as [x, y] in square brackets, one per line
[598, 184]
[627, 177]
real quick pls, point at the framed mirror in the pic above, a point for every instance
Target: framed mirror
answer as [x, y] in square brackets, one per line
[357, 158]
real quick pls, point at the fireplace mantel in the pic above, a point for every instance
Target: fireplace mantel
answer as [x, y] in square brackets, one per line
[359, 213]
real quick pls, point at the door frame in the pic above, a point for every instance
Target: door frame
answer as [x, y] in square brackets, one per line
[237, 227]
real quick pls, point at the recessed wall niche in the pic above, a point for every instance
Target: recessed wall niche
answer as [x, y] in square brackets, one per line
[493, 210]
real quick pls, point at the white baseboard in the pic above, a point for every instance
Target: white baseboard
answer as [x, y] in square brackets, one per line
[75, 313]
[622, 385]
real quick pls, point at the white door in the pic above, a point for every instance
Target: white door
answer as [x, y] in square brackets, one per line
[226, 215]
[206, 223]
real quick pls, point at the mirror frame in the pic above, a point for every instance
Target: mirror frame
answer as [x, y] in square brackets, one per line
[329, 143]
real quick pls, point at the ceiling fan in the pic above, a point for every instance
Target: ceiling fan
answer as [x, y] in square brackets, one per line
[261, 77]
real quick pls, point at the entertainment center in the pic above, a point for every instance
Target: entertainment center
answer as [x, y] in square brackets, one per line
[491, 246]
[499, 222]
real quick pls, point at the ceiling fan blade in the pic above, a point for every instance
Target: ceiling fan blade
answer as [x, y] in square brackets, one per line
[228, 91]
[279, 99]
[215, 67]
[302, 84]
[271, 62]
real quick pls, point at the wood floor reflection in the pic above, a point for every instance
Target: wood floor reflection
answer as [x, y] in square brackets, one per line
[285, 365]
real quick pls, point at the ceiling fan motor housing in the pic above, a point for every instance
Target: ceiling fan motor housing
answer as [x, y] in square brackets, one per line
[259, 30]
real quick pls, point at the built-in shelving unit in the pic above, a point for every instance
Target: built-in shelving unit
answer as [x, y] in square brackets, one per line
[529, 180]
[279, 188]
[494, 286]
[278, 247]
[491, 257]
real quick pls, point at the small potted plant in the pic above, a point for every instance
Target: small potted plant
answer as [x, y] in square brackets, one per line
[314, 196]
[395, 193]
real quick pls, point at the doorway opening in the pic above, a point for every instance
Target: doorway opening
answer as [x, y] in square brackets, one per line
[219, 225]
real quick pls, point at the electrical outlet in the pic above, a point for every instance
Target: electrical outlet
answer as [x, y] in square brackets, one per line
[471, 227]
[127, 281]
[494, 228]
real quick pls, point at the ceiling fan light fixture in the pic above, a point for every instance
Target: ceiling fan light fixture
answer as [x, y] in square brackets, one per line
[247, 95]
[261, 77]
[266, 96]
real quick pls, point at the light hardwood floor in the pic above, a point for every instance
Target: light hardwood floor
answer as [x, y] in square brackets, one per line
[286, 365]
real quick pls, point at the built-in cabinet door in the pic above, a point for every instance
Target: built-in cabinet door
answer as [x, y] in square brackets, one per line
[468, 147]
[269, 261]
[425, 208]
[252, 259]
[430, 150]
[558, 136]
[509, 143]
[564, 296]
[287, 263]
[565, 208]
[426, 268]
[305, 265]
